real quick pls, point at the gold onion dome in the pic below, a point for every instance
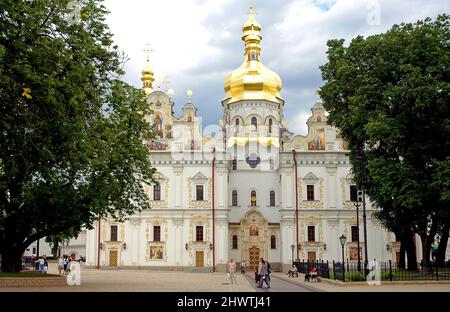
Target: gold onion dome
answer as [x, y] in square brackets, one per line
[252, 80]
[148, 79]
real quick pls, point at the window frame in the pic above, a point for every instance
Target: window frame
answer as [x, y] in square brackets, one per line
[311, 230]
[157, 192]
[354, 235]
[273, 242]
[114, 234]
[199, 233]
[272, 198]
[234, 198]
[234, 242]
[157, 233]
[197, 192]
[309, 191]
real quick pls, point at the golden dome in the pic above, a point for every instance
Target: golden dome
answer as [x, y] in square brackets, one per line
[148, 79]
[252, 80]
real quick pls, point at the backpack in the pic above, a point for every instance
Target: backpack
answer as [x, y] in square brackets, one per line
[268, 268]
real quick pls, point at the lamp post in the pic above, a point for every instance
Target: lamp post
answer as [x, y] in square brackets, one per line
[362, 162]
[292, 249]
[357, 229]
[343, 239]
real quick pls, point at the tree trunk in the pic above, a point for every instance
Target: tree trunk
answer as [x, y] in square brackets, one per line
[442, 248]
[401, 263]
[12, 260]
[426, 251]
[411, 251]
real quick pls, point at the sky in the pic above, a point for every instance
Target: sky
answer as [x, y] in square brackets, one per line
[197, 43]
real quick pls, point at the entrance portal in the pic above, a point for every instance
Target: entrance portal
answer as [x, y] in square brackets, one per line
[253, 257]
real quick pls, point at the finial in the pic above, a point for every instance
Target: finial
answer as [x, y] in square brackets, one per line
[148, 50]
[189, 94]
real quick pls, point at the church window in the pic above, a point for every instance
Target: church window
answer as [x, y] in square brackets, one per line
[156, 192]
[311, 233]
[253, 161]
[253, 198]
[234, 198]
[270, 125]
[273, 242]
[199, 192]
[353, 193]
[113, 233]
[199, 233]
[355, 234]
[234, 164]
[157, 233]
[272, 198]
[310, 192]
[255, 123]
[237, 122]
[235, 242]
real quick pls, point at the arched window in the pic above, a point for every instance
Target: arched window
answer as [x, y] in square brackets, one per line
[189, 119]
[234, 198]
[156, 192]
[272, 198]
[255, 123]
[235, 242]
[253, 198]
[270, 125]
[237, 122]
[273, 242]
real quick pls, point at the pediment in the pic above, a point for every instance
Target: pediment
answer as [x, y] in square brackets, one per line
[199, 177]
[311, 177]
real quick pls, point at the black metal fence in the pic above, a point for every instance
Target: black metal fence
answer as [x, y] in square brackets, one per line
[386, 271]
[29, 264]
[350, 271]
[322, 267]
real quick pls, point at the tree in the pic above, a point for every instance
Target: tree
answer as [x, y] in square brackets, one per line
[72, 137]
[388, 94]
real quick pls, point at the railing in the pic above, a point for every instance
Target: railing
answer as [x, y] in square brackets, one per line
[29, 264]
[322, 267]
[386, 271]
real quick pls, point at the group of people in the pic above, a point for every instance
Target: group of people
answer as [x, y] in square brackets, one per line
[42, 264]
[262, 274]
[64, 265]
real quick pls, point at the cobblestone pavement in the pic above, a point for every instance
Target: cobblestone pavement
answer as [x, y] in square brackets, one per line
[384, 287]
[147, 281]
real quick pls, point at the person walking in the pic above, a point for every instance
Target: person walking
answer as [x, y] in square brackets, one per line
[60, 265]
[243, 265]
[41, 264]
[231, 271]
[264, 275]
[45, 265]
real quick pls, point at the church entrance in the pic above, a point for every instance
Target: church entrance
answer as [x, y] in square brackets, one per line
[253, 257]
[113, 258]
[199, 259]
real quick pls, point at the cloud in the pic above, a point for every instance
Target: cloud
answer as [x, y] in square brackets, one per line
[197, 42]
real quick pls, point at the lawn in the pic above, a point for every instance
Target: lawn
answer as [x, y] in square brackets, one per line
[400, 275]
[27, 274]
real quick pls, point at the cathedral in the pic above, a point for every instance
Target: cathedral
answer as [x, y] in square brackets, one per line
[249, 189]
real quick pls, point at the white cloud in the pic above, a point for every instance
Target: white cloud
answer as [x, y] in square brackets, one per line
[197, 42]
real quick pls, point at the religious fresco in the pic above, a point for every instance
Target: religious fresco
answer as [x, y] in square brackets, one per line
[318, 141]
[156, 252]
[254, 230]
[157, 145]
[354, 253]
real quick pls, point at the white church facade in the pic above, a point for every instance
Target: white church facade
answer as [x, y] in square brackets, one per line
[251, 189]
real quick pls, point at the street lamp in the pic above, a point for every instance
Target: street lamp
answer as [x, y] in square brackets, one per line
[343, 239]
[362, 162]
[292, 249]
[359, 199]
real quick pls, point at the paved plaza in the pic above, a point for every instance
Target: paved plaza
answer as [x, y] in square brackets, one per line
[169, 281]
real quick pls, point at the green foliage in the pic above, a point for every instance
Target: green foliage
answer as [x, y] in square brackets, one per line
[391, 91]
[72, 136]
